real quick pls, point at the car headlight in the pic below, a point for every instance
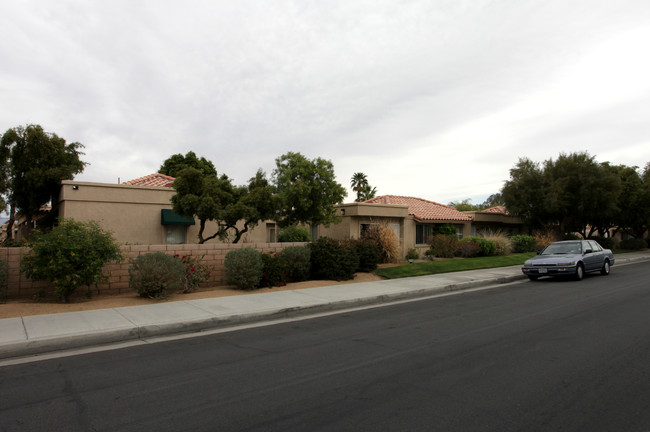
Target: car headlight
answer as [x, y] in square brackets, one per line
[568, 263]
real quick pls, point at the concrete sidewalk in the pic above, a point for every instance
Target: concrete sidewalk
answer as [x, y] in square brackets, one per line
[39, 334]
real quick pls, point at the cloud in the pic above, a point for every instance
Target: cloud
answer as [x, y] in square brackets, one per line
[437, 100]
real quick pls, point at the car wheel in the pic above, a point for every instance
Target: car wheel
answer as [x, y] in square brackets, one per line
[533, 277]
[580, 272]
[605, 270]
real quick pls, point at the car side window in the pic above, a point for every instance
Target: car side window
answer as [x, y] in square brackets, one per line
[595, 246]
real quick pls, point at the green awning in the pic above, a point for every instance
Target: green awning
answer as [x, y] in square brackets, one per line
[168, 217]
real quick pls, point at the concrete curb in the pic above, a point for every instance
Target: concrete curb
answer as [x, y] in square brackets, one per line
[125, 333]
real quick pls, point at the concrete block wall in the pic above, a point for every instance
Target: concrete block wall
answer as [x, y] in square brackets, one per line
[212, 255]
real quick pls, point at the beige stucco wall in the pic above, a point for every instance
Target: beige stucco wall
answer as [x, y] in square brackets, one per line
[132, 213]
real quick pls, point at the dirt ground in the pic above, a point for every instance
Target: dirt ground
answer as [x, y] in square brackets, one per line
[26, 307]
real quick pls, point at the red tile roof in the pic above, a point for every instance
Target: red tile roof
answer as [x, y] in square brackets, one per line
[499, 209]
[422, 209]
[158, 180]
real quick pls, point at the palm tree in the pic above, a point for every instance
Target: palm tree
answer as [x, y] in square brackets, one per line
[358, 182]
[367, 193]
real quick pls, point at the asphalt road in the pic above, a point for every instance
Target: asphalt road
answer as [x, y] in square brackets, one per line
[550, 355]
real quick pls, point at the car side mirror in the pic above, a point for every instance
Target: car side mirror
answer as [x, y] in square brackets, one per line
[588, 251]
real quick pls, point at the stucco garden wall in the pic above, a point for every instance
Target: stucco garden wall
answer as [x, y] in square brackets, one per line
[213, 255]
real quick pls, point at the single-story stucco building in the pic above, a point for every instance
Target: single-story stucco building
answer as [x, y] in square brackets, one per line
[140, 212]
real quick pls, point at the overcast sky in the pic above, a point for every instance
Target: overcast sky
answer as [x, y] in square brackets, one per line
[433, 99]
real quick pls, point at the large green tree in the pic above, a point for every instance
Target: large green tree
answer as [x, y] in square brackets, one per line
[307, 190]
[573, 193]
[582, 192]
[633, 202]
[524, 193]
[235, 209]
[32, 165]
[177, 163]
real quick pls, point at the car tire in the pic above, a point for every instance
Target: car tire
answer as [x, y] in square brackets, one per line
[580, 272]
[605, 270]
[533, 277]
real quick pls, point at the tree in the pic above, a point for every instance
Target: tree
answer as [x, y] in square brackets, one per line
[177, 163]
[359, 184]
[464, 205]
[571, 194]
[493, 200]
[367, 193]
[32, 165]
[213, 198]
[633, 202]
[307, 190]
[582, 193]
[524, 194]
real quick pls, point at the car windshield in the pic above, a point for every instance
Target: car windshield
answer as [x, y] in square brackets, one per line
[562, 248]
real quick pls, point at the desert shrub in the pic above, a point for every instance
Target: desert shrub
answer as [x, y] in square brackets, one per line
[606, 242]
[294, 233]
[633, 244]
[485, 247]
[4, 280]
[523, 243]
[467, 249]
[544, 238]
[298, 261]
[195, 272]
[156, 275]
[333, 260]
[70, 255]
[369, 255]
[443, 245]
[501, 241]
[412, 254]
[385, 238]
[244, 268]
[274, 270]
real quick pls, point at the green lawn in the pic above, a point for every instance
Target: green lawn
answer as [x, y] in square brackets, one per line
[447, 266]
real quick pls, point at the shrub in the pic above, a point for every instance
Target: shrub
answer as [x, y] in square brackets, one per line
[385, 238]
[468, 249]
[195, 272]
[298, 261]
[244, 268]
[369, 255]
[633, 244]
[501, 242]
[332, 260]
[156, 275]
[544, 238]
[445, 229]
[444, 246]
[412, 254]
[71, 255]
[294, 233]
[274, 272]
[606, 242]
[4, 280]
[485, 247]
[523, 243]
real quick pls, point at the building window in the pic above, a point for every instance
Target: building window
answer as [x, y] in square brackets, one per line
[314, 232]
[176, 234]
[423, 233]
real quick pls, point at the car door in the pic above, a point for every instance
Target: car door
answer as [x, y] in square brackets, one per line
[594, 259]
